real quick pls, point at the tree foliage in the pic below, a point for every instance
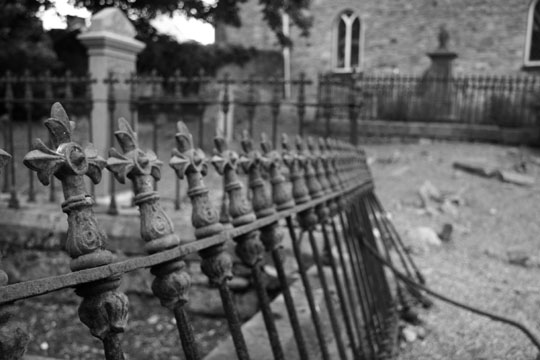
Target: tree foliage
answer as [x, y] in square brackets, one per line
[165, 55]
[224, 11]
[23, 42]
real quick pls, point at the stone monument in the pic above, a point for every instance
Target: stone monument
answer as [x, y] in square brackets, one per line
[112, 49]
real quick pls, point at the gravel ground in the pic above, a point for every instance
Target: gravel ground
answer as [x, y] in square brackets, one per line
[473, 267]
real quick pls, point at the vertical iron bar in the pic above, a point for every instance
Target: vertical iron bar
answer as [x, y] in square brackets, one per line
[177, 85]
[327, 104]
[266, 311]
[87, 100]
[251, 104]
[154, 108]
[13, 200]
[275, 107]
[341, 295]
[5, 125]
[28, 104]
[187, 337]
[233, 320]
[362, 286]
[111, 106]
[277, 256]
[327, 296]
[301, 103]
[353, 299]
[308, 289]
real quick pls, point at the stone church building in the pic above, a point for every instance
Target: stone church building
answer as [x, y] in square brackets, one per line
[394, 36]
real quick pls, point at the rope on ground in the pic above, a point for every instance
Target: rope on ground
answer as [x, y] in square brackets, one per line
[490, 315]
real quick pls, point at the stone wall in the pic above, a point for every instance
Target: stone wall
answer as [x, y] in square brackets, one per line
[488, 35]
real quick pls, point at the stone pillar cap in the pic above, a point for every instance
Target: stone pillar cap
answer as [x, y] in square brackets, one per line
[110, 27]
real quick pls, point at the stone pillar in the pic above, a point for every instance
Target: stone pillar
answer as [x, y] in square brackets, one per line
[438, 78]
[112, 47]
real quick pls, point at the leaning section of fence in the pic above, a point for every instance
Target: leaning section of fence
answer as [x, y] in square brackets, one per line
[319, 191]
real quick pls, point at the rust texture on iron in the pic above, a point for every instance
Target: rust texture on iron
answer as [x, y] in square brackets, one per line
[103, 309]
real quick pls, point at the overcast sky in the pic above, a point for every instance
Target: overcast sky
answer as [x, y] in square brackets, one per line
[178, 26]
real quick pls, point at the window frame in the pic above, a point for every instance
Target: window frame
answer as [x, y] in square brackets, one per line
[528, 37]
[348, 42]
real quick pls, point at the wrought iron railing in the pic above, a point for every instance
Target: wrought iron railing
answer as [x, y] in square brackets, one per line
[499, 100]
[308, 188]
[331, 105]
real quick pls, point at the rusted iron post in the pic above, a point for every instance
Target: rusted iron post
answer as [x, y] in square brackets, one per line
[8, 100]
[172, 282]
[301, 101]
[177, 81]
[4, 122]
[191, 163]
[308, 221]
[133, 82]
[111, 106]
[28, 107]
[324, 213]
[326, 84]
[295, 162]
[48, 80]
[224, 216]
[272, 235]
[251, 103]
[103, 309]
[155, 82]
[353, 105]
[248, 246]
[13, 334]
[275, 105]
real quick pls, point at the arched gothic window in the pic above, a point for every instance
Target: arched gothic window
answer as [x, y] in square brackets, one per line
[532, 43]
[348, 43]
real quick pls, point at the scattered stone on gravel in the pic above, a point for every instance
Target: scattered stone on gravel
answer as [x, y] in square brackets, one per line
[449, 208]
[480, 167]
[409, 334]
[428, 192]
[518, 257]
[516, 178]
[420, 239]
[446, 232]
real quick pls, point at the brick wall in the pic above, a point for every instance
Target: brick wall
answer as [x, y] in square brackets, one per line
[488, 35]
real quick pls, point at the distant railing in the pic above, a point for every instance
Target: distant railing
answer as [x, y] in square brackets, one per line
[505, 101]
[331, 105]
[328, 188]
[24, 104]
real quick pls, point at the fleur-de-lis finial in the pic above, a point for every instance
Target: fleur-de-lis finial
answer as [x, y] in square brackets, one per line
[186, 159]
[103, 309]
[295, 161]
[228, 163]
[224, 159]
[252, 163]
[272, 161]
[318, 159]
[134, 161]
[309, 163]
[67, 157]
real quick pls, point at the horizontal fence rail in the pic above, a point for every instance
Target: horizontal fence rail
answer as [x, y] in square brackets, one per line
[308, 189]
